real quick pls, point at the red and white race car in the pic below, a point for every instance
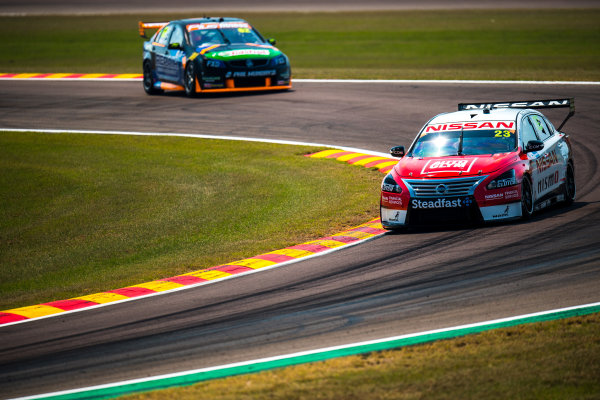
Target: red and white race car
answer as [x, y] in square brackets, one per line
[485, 162]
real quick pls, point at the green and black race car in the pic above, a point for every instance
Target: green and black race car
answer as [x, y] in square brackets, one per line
[211, 55]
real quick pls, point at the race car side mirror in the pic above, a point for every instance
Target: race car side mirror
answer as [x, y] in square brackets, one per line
[534, 145]
[175, 46]
[272, 41]
[397, 151]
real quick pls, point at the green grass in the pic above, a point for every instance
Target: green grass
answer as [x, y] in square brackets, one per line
[82, 214]
[546, 360]
[476, 44]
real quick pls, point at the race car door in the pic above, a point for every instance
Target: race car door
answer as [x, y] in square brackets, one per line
[173, 68]
[547, 174]
[159, 46]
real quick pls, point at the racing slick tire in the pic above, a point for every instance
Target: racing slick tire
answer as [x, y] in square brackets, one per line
[569, 188]
[526, 198]
[148, 80]
[189, 80]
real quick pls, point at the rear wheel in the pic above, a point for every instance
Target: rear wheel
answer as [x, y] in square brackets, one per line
[190, 80]
[148, 81]
[526, 198]
[569, 187]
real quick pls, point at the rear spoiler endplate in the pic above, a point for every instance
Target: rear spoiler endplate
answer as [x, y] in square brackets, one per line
[142, 26]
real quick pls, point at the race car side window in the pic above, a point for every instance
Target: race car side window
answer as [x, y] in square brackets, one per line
[527, 132]
[177, 36]
[541, 127]
[164, 34]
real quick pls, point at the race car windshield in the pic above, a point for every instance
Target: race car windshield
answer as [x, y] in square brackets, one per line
[465, 142]
[224, 36]
[241, 35]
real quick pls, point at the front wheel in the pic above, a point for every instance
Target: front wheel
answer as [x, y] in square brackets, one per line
[526, 198]
[569, 187]
[190, 80]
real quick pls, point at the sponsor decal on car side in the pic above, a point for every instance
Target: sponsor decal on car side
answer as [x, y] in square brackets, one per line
[506, 195]
[546, 162]
[548, 182]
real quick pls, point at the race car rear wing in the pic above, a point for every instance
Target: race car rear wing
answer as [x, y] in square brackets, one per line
[554, 103]
[149, 25]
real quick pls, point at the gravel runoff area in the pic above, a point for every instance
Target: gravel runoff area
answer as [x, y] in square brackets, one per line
[88, 7]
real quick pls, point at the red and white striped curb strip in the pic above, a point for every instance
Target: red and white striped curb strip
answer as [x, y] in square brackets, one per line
[49, 76]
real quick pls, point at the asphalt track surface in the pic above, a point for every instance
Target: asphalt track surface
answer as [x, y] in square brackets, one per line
[393, 285]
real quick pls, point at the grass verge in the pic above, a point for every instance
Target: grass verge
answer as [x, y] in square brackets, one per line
[465, 44]
[86, 213]
[546, 360]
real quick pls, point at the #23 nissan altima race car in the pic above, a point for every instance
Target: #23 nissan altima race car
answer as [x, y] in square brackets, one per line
[211, 55]
[485, 162]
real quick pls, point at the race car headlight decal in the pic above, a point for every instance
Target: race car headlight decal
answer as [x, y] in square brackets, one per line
[279, 60]
[390, 185]
[215, 64]
[509, 178]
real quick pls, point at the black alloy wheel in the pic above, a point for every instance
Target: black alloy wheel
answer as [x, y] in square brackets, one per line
[189, 81]
[148, 81]
[526, 198]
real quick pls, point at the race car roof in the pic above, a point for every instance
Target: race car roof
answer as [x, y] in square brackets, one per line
[142, 26]
[208, 19]
[504, 114]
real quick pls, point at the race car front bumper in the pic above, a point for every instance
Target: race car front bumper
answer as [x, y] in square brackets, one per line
[243, 79]
[421, 202]
[501, 212]
[447, 211]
